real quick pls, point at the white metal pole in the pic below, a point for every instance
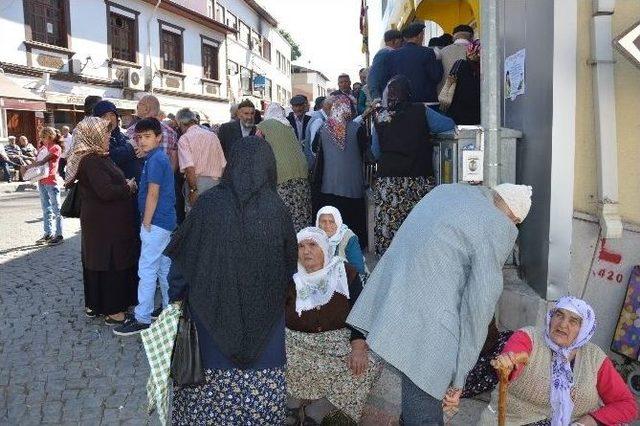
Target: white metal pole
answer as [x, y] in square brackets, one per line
[490, 97]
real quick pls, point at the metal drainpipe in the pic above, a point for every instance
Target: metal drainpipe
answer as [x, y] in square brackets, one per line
[148, 61]
[604, 101]
[490, 93]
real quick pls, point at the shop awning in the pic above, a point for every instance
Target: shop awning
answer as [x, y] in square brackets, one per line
[446, 13]
[14, 96]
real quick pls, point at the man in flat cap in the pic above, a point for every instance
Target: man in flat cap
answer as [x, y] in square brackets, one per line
[418, 63]
[298, 117]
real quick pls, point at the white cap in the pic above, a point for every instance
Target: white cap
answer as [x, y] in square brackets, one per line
[517, 198]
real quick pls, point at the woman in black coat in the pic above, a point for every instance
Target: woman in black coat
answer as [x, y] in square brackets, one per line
[107, 217]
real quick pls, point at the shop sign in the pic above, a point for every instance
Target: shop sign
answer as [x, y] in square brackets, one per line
[628, 43]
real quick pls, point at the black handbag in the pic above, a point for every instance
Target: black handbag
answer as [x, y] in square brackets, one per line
[71, 205]
[186, 364]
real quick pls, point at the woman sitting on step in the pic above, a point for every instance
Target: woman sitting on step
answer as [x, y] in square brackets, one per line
[566, 380]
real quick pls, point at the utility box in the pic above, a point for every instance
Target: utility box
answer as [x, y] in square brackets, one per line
[459, 154]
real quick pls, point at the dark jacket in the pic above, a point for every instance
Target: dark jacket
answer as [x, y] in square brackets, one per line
[420, 65]
[405, 144]
[331, 316]
[107, 217]
[305, 122]
[123, 154]
[241, 306]
[465, 105]
[229, 133]
[377, 77]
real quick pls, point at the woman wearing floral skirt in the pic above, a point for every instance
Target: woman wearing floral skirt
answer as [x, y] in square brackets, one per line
[232, 259]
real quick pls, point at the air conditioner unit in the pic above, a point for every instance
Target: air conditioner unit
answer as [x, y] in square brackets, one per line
[131, 78]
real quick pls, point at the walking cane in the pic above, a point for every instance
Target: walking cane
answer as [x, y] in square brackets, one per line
[503, 385]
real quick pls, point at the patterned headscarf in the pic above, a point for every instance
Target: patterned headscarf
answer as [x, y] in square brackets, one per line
[314, 289]
[275, 111]
[473, 48]
[334, 241]
[87, 139]
[561, 372]
[339, 116]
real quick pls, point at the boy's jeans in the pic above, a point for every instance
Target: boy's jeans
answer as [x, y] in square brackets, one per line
[153, 267]
[50, 201]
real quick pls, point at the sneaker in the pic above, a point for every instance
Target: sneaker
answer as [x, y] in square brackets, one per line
[112, 321]
[156, 313]
[44, 240]
[55, 240]
[89, 313]
[130, 327]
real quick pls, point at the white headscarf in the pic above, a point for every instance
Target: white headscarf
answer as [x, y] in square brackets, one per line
[317, 288]
[561, 372]
[517, 197]
[275, 111]
[335, 239]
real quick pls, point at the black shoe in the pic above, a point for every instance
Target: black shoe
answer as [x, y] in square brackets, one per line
[156, 313]
[89, 313]
[112, 321]
[55, 240]
[44, 240]
[130, 327]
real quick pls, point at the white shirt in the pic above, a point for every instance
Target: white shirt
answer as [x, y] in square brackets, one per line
[299, 126]
[68, 146]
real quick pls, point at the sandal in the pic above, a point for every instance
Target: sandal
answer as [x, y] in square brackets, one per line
[108, 320]
[90, 313]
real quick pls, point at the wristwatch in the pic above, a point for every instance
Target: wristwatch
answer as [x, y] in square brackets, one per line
[192, 190]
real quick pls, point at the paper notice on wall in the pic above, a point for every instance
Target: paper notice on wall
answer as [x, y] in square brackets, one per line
[514, 84]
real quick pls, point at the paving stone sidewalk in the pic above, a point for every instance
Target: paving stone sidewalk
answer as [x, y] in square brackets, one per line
[59, 367]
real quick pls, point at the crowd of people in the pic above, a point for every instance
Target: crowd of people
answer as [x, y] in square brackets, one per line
[257, 228]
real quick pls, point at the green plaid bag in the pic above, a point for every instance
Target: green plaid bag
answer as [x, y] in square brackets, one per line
[158, 341]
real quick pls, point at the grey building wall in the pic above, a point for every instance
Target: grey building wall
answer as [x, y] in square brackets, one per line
[528, 24]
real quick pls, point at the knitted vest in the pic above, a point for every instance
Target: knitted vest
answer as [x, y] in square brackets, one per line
[528, 395]
[342, 247]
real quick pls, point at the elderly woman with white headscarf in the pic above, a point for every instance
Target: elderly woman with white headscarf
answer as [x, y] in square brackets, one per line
[329, 367]
[566, 380]
[342, 241]
[293, 184]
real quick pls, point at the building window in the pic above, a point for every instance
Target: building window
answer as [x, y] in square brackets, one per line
[245, 34]
[232, 68]
[256, 43]
[232, 21]
[210, 49]
[123, 33]
[220, 13]
[210, 9]
[170, 47]
[267, 89]
[46, 21]
[266, 49]
[246, 80]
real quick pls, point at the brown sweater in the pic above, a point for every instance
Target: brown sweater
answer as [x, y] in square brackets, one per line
[107, 216]
[331, 316]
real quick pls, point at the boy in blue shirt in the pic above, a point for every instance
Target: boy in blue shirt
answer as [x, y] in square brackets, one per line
[156, 203]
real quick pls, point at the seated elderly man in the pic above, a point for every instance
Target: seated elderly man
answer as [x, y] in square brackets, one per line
[558, 377]
[329, 368]
[428, 303]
